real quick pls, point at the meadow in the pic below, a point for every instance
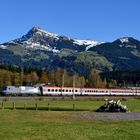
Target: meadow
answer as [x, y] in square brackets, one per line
[61, 122]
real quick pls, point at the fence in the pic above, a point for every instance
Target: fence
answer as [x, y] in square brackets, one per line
[35, 106]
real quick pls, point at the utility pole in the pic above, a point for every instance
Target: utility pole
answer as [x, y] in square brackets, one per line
[62, 85]
[73, 96]
[53, 79]
[22, 74]
[22, 68]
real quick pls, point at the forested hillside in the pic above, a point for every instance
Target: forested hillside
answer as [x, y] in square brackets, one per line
[61, 77]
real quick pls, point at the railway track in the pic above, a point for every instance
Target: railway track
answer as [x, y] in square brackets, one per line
[2, 98]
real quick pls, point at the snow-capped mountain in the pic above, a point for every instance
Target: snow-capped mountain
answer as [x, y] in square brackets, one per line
[43, 49]
[36, 31]
[38, 38]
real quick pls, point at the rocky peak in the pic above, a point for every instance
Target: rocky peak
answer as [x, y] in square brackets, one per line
[37, 34]
[126, 40]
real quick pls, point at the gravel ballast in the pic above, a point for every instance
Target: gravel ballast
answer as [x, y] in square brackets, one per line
[130, 116]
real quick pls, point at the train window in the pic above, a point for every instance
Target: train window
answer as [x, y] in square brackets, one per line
[48, 89]
[52, 90]
[66, 90]
[56, 90]
[63, 90]
[59, 90]
[69, 90]
[75, 90]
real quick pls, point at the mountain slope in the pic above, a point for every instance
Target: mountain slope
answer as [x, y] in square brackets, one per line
[42, 49]
[124, 53]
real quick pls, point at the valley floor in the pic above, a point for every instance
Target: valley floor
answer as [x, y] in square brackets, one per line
[62, 123]
[43, 125]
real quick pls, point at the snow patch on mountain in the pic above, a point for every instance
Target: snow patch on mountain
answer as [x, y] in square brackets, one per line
[124, 40]
[85, 42]
[37, 45]
[3, 46]
[88, 43]
[131, 46]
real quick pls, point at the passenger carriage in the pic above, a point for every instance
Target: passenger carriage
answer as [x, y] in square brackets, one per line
[48, 90]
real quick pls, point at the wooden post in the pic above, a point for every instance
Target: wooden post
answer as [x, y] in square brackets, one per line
[2, 105]
[13, 105]
[49, 107]
[36, 105]
[24, 106]
[73, 107]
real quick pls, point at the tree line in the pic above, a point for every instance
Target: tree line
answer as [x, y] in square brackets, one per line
[59, 77]
[125, 78]
[17, 76]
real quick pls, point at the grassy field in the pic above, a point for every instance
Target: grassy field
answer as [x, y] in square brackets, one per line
[64, 125]
[67, 105]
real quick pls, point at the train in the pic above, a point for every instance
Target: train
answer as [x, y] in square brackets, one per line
[45, 90]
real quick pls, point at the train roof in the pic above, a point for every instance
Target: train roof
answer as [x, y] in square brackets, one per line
[48, 86]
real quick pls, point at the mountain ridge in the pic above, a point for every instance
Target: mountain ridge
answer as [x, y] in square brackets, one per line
[43, 49]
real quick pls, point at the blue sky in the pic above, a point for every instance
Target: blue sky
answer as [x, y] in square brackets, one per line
[101, 20]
